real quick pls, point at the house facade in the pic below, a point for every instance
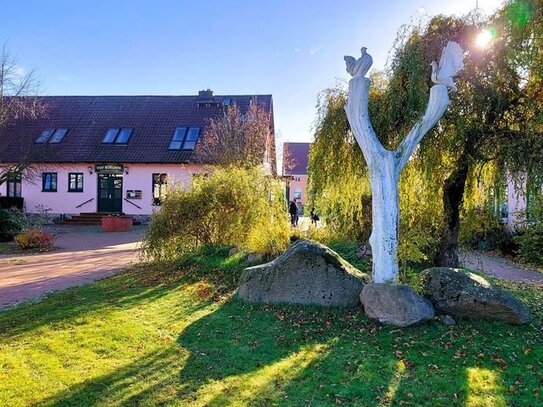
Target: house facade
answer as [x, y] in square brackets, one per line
[295, 159]
[516, 200]
[113, 154]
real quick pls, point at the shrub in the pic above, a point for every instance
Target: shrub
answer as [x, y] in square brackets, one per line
[482, 230]
[530, 243]
[12, 222]
[268, 236]
[231, 206]
[35, 240]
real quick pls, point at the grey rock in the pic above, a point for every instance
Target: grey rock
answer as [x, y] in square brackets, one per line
[307, 273]
[448, 320]
[466, 295]
[254, 257]
[233, 250]
[396, 305]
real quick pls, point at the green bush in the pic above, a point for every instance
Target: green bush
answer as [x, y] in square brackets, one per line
[230, 206]
[482, 230]
[530, 243]
[12, 222]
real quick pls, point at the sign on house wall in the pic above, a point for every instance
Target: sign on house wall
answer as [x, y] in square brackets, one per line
[109, 168]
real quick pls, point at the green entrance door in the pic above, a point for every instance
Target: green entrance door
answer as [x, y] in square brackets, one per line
[110, 193]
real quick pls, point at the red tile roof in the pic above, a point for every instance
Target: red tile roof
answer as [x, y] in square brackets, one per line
[297, 155]
[153, 119]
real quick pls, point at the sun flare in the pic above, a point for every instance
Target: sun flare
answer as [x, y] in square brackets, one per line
[483, 39]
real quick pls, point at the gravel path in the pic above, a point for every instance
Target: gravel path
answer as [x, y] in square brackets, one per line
[500, 268]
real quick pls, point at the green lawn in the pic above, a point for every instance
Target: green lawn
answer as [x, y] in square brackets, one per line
[178, 337]
[9, 248]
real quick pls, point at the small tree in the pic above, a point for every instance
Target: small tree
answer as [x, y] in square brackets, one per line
[18, 91]
[239, 139]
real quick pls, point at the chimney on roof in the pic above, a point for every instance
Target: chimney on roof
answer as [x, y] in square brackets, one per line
[205, 93]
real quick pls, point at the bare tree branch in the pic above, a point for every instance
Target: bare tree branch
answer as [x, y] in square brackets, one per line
[239, 139]
[18, 100]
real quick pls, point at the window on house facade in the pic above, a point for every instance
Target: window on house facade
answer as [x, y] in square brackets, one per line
[184, 138]
[75, 182]
[499, 199]
[117, 136]
[297, 193]
[52, 136]
[160, 188]
[49, 182]
[13, 185]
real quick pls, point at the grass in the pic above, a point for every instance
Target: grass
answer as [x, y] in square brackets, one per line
[9, 248]
[174, 334]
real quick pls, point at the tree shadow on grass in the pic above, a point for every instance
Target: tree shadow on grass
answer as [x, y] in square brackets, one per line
[237, 353]
[143, 283]
[286, 355]
[123, 290]
[144, 382]
[269, 355]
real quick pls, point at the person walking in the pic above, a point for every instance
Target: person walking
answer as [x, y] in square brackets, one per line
[293, 211]
[314, 217]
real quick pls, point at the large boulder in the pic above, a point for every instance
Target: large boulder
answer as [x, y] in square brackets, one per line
[307, 273]
[463, 294]
[395, 305]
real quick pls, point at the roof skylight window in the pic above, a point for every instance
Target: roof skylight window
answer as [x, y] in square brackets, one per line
[184, 139]
[177, 139]
[123, 136]
[117, 136]
[53, 136]
[58, 136]
[191, 137]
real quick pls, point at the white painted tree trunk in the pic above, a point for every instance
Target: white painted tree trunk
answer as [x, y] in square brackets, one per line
[385, 218]
[384, 168]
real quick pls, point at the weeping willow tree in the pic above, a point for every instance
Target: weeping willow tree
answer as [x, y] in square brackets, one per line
[521, 23]
[486, 125]
[338, 183]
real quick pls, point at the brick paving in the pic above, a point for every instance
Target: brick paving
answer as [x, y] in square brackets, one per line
[84, 254]
[500, 268]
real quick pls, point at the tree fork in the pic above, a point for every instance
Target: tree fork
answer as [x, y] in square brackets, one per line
[384, 168]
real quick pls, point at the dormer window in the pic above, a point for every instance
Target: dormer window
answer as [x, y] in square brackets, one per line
[117, 136]
[184, 138]
[52, 136]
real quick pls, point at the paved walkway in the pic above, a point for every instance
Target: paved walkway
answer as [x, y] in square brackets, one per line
[500, 268]
[85, 254]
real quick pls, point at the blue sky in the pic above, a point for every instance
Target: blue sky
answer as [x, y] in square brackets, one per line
[291, 49]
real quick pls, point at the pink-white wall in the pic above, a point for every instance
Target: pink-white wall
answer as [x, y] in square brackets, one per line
[298, 181]
[516, 201]
[139, 177]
